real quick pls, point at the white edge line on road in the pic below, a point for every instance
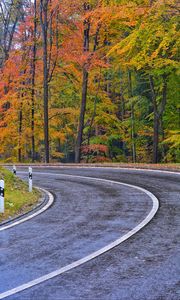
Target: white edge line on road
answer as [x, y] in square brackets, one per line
[95, 254]
[136, 169]
[38, 212]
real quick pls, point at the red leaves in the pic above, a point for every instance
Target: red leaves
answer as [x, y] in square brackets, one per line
[94, 149]
[95, 153]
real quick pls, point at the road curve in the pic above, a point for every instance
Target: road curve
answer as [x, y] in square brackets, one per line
[87, 216]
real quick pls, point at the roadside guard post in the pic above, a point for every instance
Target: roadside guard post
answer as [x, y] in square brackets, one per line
[1, 196]
[30, 179]
[14, 170]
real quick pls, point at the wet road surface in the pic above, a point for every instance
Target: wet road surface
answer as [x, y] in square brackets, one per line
[85, 217]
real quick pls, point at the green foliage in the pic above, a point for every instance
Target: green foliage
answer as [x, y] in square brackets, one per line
[17, 198]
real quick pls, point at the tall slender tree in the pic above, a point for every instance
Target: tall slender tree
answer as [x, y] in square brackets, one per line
[44, 27]
[84, 87]
[33, 67]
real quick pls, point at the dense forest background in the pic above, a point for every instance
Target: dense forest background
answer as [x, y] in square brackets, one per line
[92, 81]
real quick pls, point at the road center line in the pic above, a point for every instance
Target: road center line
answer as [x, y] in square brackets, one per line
[97, 253]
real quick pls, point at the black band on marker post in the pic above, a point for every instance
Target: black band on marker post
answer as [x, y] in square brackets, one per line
[1, 192]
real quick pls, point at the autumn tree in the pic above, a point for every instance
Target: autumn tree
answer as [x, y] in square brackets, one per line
[89, 81]
[153, 49]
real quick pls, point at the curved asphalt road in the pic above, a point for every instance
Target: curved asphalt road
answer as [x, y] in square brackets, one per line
[85, 217]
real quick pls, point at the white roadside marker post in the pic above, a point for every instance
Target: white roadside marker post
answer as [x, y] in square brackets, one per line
[30, 179]
[14, 170]
[1, 196]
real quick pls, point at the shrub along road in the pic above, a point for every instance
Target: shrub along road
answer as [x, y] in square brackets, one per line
[86, 216]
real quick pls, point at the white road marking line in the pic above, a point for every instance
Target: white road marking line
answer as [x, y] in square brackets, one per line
[38, 212]
[95, 254]
[134, 169]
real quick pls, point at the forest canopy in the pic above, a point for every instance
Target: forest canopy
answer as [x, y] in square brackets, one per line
[89, 81]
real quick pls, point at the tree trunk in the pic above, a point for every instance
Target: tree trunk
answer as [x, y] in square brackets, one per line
[133, 134]
[155, 121]
[20, 134]
[158, 113]
[92, 118]
[33, 83]
[46, 113]
[163, 155]
[44, 26]
[81, 117]
[122, 108]
[96, 42]
[155, 139]
[84, 90]
[132, 120]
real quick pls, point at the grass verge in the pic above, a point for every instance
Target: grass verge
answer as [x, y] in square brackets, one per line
[18, 200]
